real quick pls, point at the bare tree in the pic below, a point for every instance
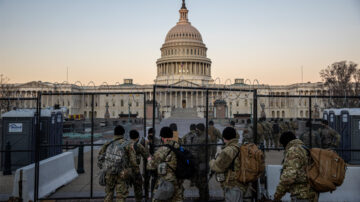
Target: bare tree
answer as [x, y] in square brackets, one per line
[6, 91]
[342, 79]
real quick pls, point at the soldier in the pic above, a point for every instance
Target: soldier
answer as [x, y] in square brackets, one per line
[248, 136]
[283, 126]
[173, 127]
[294, 125]
[226, 167]
[140, 151]
[293, 178]
[164, 162]
[118, 181]
[188, 138]
[267, 131]
[260, 132]
[329, 137]
[200, 178]
[315, 137]
[276, 133]
[215, 136]
[152, 139]
[232, 124]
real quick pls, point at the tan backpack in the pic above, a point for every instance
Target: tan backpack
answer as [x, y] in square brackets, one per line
[326, 170]
[252, 163]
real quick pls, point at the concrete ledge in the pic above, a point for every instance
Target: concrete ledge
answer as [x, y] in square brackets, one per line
[348, 191]
[54, 173]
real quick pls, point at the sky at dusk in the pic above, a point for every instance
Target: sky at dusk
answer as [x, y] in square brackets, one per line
[109, 40]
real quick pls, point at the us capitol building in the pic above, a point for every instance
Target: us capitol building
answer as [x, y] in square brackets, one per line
[183, 62]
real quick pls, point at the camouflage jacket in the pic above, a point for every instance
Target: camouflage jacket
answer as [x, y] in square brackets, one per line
[214, 134]
[293, 177]
[140, 151]
[329, 138]
[165, 155]
[315, 139]
[189, 139]
[130, 153]
[227, 163]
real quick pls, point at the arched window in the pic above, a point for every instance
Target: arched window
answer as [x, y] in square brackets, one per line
[278, 114]
[273, 114]
[301, 114]
[191, 52]
[283, 114]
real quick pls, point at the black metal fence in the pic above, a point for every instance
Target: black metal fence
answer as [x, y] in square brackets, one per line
[207, 104]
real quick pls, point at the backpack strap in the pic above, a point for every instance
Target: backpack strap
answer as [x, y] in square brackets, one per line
[233, 161]
[172, 148]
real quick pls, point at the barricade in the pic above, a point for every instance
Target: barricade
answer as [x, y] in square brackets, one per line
[54, 173]
[348, 191]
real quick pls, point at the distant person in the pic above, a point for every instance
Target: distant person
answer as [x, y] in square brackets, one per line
[215, 136]
[330, 138]
[248, 135]
[276, 133]
[293, 178]
[315, 137]
[116, 160]
[232, 124]
[189, 138]
[173, 127]
[225, 167]
[136, 178]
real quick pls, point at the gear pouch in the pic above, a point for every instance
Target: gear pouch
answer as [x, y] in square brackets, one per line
[220, 177]
[162, 168]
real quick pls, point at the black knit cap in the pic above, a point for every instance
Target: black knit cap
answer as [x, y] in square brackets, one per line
[173, 126]
[200, 126]
[166, 132]
[229, 133]
[151, 130]
[134, 134]
[192, 127]
[211, 123]
[286, 137]
[119, 130]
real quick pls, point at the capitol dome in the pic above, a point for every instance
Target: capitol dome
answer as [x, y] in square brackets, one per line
[183, 31]
[183, 55]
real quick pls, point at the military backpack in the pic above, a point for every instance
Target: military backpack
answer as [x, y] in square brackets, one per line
[115, 157]
[185, 166]
[326, 169]
[252, 163]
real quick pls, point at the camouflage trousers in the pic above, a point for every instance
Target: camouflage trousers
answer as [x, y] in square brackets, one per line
[137, 183]
[114, 182]
[201, 182]
[178, 192]
[276, 137]
[268, 140]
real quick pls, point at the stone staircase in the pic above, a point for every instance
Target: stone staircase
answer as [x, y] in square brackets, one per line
[183, 118]
[183, 113]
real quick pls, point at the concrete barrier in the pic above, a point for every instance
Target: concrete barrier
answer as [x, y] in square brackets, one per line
[54, 172]
[348, 191]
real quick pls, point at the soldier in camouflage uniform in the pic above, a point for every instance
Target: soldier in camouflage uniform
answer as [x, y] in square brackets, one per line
[293, 177]
[188, 138]
[315, 137]
[260, 132]
[201, 160]
[294, 125]
[119, 181]
[136, 179]
[214, 137]
[164, 160]
[267, 130]
[232, 124]
[276, 133]
[226, 167]
[248, 136]
[330, 138]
